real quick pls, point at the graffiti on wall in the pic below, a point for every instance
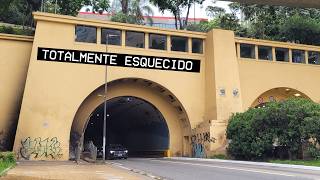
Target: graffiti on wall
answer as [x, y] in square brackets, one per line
[40, 148]
[201, 144]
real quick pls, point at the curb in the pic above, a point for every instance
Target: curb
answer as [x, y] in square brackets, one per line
[249, 163]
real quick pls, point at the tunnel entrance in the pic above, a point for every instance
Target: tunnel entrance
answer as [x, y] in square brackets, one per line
[131, 122]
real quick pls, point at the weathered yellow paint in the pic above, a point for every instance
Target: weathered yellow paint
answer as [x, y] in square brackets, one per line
[13, 73]
[58, 98]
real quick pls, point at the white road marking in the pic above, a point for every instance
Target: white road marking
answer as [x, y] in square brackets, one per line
[229, 168]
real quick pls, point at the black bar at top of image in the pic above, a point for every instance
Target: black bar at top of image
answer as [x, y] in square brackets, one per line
[122, 60]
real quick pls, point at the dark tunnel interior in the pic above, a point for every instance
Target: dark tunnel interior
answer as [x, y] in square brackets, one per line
[131, 122]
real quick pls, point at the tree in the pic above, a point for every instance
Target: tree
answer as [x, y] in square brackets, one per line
[72, 7]
[300, 29]
[4, 6]
[272, 22]
[221, 19]
[176, 7]
[98, 6]
[132, 11]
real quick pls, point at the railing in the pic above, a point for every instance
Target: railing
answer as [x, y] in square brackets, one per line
[263, 50]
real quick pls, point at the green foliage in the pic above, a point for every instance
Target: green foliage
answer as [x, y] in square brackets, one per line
[123, 18]
[300, 29]
[176, 7]
[133, 12]
[203, 26]
[6, 29]
[254, 133]
[20, 12]
[219, 156]
[16, 30]
[7, 159]
[299, 25]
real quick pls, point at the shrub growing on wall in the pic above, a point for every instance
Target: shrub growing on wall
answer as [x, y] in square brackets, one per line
[293, 125]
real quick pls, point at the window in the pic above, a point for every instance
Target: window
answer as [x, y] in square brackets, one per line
[86, 34]
[282, 54]
[179, 43]
[247, 51]
[314, 57]
[157, 41]
[298, 56]
[197, 45]
[112, 36]
[135, 39]
[265, 52]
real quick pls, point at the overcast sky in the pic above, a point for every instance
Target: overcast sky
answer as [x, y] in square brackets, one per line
[200, 9]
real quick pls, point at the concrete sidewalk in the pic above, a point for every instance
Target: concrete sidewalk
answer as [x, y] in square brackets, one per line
[70, 170]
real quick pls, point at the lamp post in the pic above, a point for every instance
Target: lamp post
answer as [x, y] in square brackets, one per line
[105, 115]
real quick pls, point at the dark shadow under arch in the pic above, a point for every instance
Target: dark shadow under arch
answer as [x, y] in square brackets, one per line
[132, 122]
[277, 94]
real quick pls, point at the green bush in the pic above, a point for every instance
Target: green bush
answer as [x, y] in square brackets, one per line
[291, 125]
[16, 30]
[7, 157]
[6, 29]
[124, 18]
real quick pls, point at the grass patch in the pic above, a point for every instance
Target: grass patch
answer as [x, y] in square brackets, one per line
[219, 156]
[298, 162]
[7, 159]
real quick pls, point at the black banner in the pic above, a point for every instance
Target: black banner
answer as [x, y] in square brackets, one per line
[123, 60]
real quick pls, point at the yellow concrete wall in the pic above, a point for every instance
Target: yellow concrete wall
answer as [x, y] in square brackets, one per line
[224, 65]
[259, 76]
[55, 91]
[14, 60]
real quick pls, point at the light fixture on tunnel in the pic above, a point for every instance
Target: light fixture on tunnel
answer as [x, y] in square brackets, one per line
[297, 95]
[108, 115]
[128, 99]
[287, 89]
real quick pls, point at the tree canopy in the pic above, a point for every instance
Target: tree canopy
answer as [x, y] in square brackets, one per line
[132, 11]
[298, 25]
[176, 7]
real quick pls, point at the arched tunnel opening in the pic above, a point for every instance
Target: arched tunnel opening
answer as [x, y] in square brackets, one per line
[131, 122]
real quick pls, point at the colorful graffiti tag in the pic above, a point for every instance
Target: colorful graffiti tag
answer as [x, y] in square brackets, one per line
[38, 148]
[201, 144]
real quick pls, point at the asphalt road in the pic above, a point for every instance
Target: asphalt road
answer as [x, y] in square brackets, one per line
[199, 170]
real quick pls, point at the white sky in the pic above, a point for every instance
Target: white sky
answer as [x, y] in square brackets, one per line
[200, 9]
